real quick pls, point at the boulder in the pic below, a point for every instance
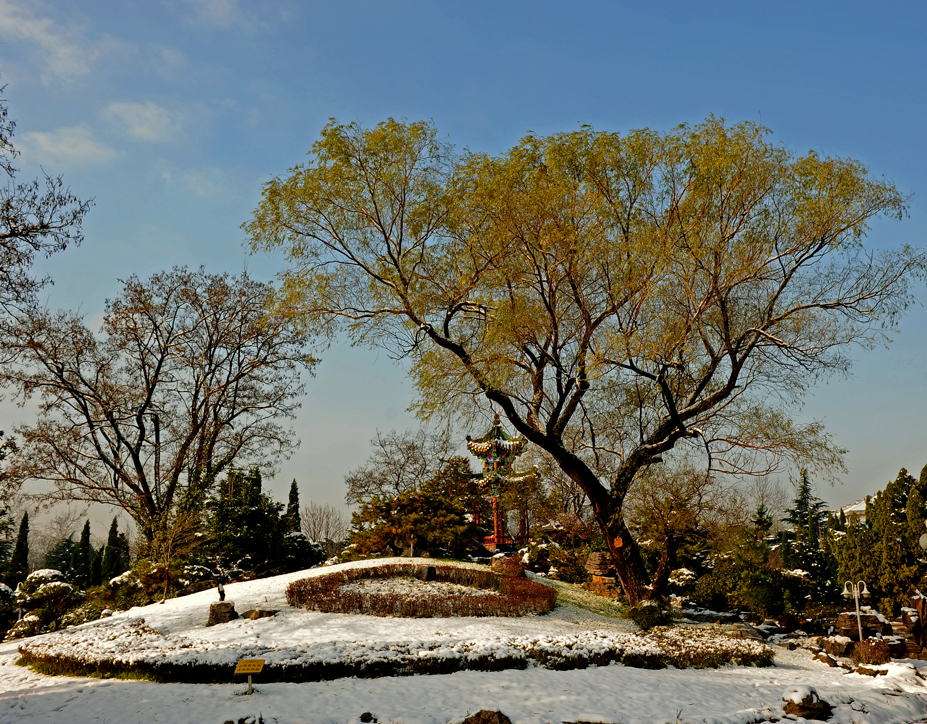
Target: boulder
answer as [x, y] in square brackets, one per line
[514, 567]
[487, 716]
[838, 645]
[870, 671]
[746, 631]
[825, 658]
[873, 623]
[256, 613]
[221, 612]
[804, 701]
[600, 564]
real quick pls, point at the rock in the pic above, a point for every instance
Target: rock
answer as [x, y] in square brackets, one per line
[706, 616]
[869, 671]
[838, 645]
[222, 612]
[367, 718]
[256, 613]
[487, 716]
[746, 631]
[790, 645]
[514, 567]
[28, 625]
[873, 623]
[424, 573]
[600, 564]
[825, 658]
[804, 701]
[106, 613]
[604, 586]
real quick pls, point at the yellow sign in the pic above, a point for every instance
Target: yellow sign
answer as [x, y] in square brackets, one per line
[249, 666]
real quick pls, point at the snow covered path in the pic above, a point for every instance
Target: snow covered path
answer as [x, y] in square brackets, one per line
[615, 693]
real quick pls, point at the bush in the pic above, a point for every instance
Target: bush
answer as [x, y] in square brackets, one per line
[650, 614]
[871, 651]
[570, 564]
[493, 595]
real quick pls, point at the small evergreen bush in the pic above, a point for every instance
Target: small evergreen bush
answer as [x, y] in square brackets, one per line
[650, 614]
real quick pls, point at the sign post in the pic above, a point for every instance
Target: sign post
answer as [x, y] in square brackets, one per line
[249, 667]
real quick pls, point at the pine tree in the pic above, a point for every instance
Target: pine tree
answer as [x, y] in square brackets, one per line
[19, 561]
[884, 550]
[802, 547]
[82, 560]
[244, 523]
[293, 522]
[115, 555]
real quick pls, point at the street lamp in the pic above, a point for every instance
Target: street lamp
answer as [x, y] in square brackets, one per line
[857, 588]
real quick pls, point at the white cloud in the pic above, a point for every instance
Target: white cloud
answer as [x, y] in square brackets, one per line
[207, 183]
[70, 146]
[219, 13]
[145, 121]
[165, 60]
[66, 55]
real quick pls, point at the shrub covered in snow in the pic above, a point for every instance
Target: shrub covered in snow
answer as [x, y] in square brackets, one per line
[112, 648]
[491, 594]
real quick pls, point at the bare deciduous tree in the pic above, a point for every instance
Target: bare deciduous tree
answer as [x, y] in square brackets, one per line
[324, 524]
[34, 221]
[186, 378]
[400, 461]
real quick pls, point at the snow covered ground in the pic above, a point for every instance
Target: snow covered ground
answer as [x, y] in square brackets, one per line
[730, 695]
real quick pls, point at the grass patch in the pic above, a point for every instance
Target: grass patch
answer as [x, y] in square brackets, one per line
[568, 593]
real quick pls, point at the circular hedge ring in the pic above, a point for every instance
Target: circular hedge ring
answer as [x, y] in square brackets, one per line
[490, 594]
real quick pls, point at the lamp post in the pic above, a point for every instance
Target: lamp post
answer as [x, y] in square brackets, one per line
[857, 588]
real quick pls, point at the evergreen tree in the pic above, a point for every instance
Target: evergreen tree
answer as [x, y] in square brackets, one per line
[96, 568]
[60, 555]
[246, 524]
[884, 551]
[82, 561]
[293, 522]
[115, 554]
[19, 561]
[802, 546]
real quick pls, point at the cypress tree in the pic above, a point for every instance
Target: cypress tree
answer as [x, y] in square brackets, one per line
[115, 555]
[293, 521]
[96, 568]
[19, 561]
[82, 561]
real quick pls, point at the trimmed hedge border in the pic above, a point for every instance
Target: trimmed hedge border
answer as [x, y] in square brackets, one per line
[494, 595]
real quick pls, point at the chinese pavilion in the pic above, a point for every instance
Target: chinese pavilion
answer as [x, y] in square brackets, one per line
[498, 451]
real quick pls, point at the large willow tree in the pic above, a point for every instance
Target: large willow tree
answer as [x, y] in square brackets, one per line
[616, 297]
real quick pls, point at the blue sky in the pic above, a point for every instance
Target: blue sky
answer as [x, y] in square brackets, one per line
[172, 113]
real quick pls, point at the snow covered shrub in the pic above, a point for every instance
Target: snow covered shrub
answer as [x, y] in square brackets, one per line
[489, 594]
[649, 614]
[47, 595]
[537, 556]
[871, 651]
[682, 582]
[703, 648]
[300, 553]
